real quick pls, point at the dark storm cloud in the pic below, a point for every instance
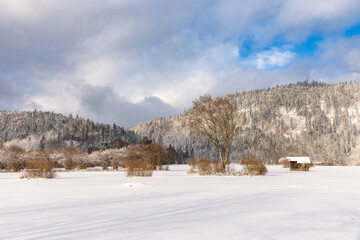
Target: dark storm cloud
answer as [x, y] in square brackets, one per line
[103, 105]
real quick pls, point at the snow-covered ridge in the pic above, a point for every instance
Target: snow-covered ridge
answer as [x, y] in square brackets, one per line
[320, 121]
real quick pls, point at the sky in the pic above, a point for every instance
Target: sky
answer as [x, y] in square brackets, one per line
[128, 61]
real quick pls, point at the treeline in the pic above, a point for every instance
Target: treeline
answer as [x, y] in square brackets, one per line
[144, 157]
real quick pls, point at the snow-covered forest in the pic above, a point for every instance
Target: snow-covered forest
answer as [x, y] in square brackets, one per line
[26, 129]
[307, 118]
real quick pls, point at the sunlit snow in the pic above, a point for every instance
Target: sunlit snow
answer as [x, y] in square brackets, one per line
[323, 203]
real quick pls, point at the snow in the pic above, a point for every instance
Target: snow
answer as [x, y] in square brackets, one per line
[299, 159]
[320, 204]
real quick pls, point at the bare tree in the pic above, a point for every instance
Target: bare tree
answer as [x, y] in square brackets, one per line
[217, 119]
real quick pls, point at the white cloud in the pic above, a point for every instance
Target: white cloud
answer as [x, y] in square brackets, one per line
[270, 59]
[352, 60]
[170, 51]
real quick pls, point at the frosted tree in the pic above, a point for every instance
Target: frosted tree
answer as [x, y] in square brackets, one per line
[42, 143]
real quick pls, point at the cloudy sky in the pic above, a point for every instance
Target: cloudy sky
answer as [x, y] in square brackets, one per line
[127, 61]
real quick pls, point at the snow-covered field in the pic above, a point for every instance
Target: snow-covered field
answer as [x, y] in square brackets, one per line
[321, 204]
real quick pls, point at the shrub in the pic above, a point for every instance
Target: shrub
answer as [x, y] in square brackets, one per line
[104, 161]
[113, 157]
[209, 167]
[154, 154]
[191, 161]
[66, 157]
[81, 160]
[81, 164]
[39, 165]
[253, 166]
[115, 163]
[138, 168]
[69, 158]
[13, 158]
[118, 158]
[203, 166]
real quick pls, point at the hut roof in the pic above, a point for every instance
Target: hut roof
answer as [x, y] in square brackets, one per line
[299, 159]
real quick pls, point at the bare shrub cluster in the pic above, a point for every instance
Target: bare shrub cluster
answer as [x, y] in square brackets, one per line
[139, 160]
[209, 167]
[13, 158]
[110, 157]
[253, 166]
[142, 159]
[35, 163]
[39, 165]
[68, 157]
[138, 168]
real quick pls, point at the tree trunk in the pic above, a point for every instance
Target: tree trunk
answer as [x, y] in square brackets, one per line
[221, 158]
[227, 156]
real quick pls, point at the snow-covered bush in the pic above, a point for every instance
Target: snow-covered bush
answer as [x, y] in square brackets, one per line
[253, 166]
[113, 157]
[101, 158]
[68, 157]
[117, 158]
[82, 160]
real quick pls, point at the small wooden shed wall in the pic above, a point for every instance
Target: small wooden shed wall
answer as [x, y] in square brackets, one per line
[299, 163]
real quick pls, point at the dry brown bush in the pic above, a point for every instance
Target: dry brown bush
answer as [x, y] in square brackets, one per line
[115, 163]
[138, 168]
[142, 159]
[253, 166]
[82, 165]
[40, 165]
[155, 154]
[191, 161]
[209, 167]
[13, 158]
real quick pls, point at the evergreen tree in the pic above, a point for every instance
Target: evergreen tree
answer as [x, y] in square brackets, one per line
[42, 143]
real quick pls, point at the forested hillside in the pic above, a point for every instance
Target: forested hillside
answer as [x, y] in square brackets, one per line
[308, 118]
[27, 129]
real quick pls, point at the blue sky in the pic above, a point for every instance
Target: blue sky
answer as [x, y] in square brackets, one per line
[127, 61]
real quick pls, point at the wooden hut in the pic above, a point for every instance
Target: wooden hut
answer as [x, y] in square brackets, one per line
[299, 163]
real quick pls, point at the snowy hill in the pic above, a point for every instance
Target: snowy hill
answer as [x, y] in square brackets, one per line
[312, 119]
[26, 128]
